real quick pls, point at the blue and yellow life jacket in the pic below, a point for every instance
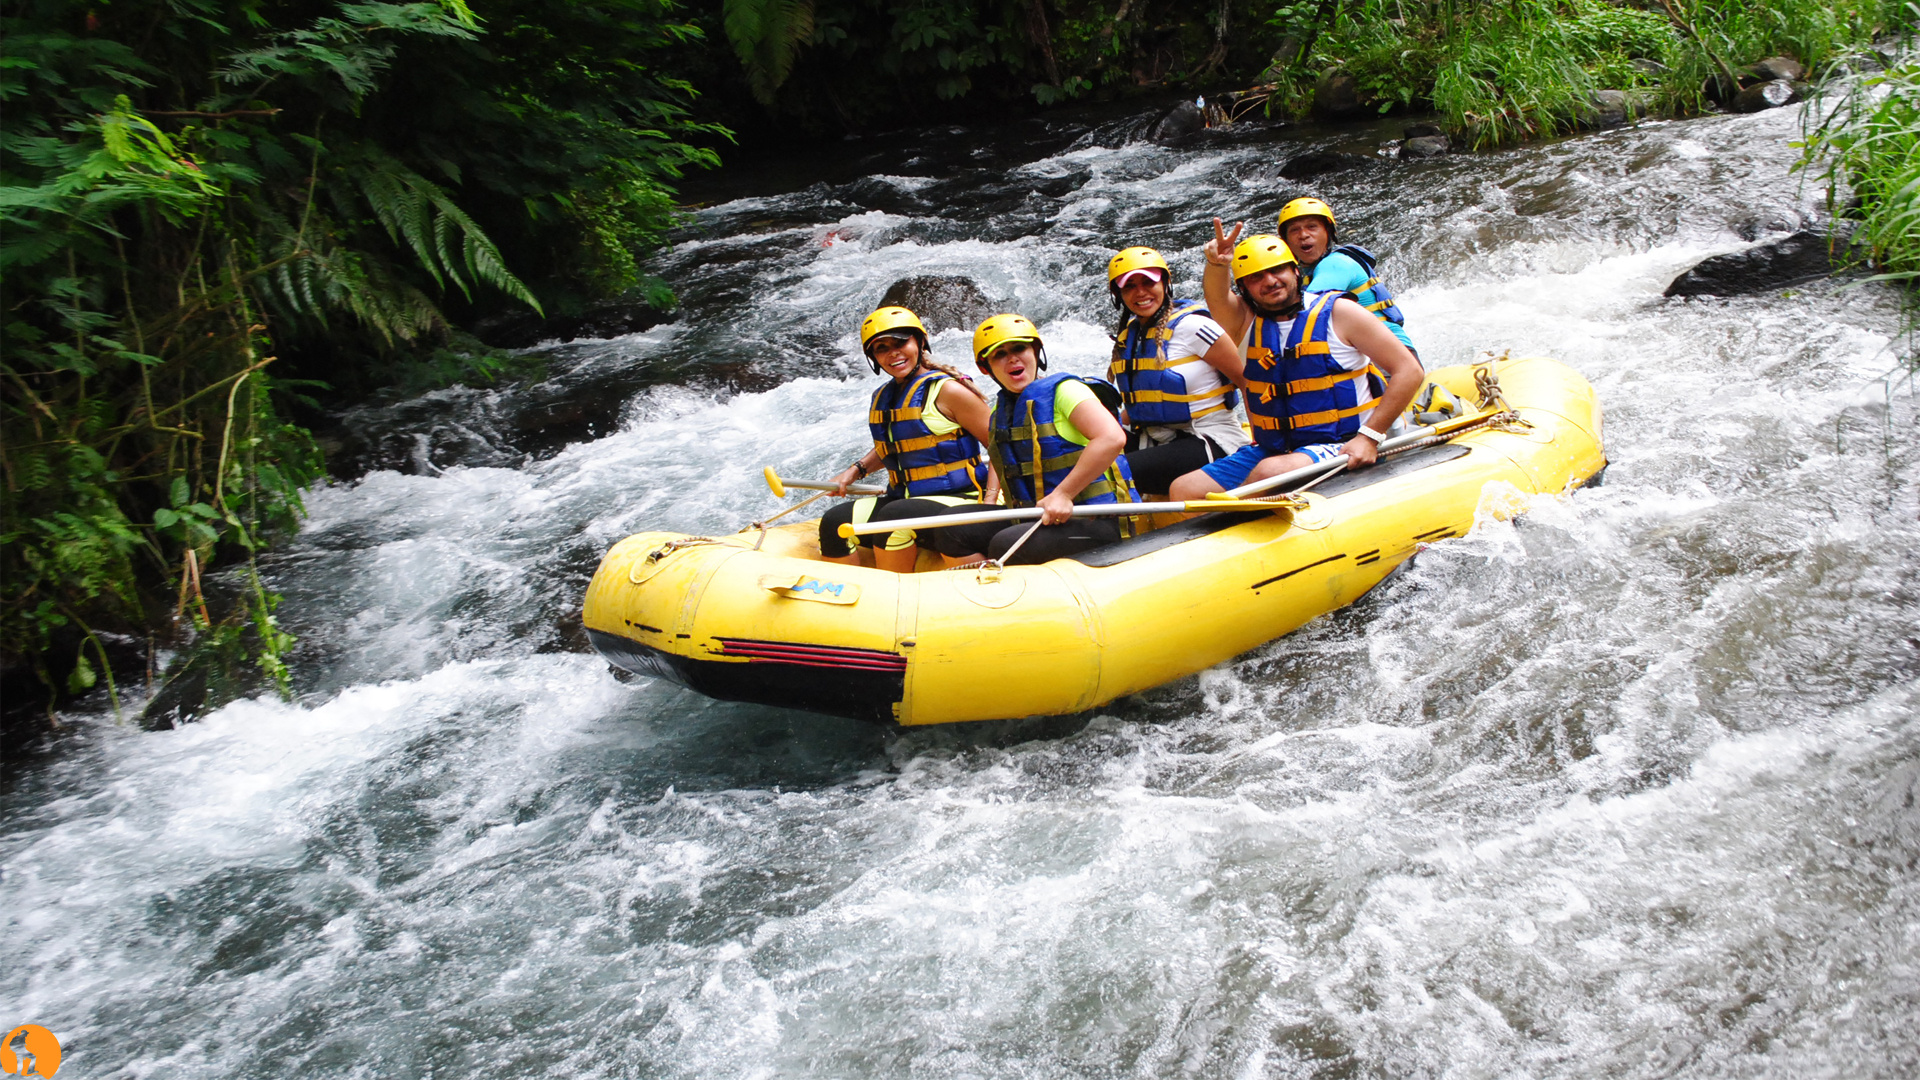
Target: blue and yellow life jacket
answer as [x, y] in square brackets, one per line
[1026, 444]
[1296, 394]
[1156, 394]
[918, 460]
[1372, 293]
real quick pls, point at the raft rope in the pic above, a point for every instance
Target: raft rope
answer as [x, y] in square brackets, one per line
[672, 546]
[763, 526]
[1487, 385]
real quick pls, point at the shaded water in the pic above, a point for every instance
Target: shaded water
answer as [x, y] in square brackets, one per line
[1627, 788]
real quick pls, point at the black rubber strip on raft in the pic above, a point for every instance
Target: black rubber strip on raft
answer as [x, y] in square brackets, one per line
[1162, 539]
[781, 677]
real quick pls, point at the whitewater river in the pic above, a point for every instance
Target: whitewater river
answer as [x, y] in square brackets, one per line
[1628, 788]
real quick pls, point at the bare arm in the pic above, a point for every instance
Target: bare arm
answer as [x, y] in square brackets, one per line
[969, 410]
[863, 466]
[1359, 328]
[1216, 281]
[1105, 440]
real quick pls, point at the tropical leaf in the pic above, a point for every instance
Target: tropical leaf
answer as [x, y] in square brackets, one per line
[767, 36]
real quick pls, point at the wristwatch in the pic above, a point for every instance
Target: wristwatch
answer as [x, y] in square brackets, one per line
[1378, 437]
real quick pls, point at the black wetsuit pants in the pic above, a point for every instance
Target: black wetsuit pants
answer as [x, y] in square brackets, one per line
[993, 538]
[1155, 468]
[888, 509]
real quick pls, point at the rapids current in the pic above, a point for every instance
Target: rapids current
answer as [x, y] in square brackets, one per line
[1627, 788]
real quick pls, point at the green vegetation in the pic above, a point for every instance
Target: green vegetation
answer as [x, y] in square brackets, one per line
[216, 209]
[1869, 144]
[1502, 72]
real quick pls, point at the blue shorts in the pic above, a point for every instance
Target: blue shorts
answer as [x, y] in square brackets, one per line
[1231, 471]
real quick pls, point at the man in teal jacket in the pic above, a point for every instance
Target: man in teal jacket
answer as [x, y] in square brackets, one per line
[1308, 228]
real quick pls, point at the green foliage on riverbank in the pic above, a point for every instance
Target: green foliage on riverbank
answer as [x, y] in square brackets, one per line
[1868, 144]
[216, 209]
[1503, 72]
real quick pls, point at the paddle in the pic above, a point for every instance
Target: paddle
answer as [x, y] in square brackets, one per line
[1215, 503]
[1339, 461]
[779, 486]
[1024, 513]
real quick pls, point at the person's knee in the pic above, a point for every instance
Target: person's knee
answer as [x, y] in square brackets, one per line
[1194, 485]
[1277, 464]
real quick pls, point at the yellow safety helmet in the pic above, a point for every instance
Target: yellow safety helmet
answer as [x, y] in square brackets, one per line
[1307, 207]
[1136, 258]
[1262, 252]
[890, 318]
[1001, 329]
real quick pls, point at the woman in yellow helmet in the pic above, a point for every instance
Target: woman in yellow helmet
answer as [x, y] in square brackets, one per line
[1176, 370]
[1053, 445]
[928, 422]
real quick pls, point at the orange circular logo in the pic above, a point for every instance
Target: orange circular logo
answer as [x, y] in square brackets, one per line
[39, 1052]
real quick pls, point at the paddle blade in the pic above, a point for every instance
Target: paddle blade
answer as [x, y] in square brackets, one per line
[773, 482]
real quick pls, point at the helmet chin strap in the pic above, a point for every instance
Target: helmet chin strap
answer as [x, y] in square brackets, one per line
[1266, 312]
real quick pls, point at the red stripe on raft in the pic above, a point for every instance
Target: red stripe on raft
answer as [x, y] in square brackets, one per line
[804, 655]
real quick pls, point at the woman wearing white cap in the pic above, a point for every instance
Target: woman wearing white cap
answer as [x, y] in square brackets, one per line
[1176, 370]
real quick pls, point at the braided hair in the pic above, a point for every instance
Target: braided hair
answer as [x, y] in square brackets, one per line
[1158, 320]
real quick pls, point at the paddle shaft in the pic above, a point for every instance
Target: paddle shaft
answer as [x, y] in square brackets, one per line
[815, 485]
[1338, 461]
[1025, 513]
[1219, 504]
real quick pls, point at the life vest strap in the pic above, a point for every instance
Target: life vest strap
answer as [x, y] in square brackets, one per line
[928, 472]
[1327, 382]
[1148, 397]
[1328, 416]
[908, 446]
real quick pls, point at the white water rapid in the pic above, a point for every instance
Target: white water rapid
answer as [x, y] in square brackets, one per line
[1629, 788]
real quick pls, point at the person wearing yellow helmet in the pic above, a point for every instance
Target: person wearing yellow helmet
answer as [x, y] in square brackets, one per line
[928, 422]
[1176, 371]
[1307, 225]
[1320, 367]
[1053, 444]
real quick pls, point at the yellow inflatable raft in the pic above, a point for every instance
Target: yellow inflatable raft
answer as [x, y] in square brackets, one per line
[779, 626]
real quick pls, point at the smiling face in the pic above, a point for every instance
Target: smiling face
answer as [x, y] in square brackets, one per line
[1309, 238]
[1275, 288]
[1142, 293]
[1014, 365]
[897, 354]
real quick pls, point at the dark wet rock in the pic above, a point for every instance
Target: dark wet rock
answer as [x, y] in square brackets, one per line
[1766, 95]
[1422, 131]
[1803, 256]
[1179, 122]
[524, 329]
[1610, 108]
[1777, 68]
[1318, 163]
[1426, 146]
[1755, 228]
[1650, 67]
[943, 303]
[1237, 133]
[1337, 97]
